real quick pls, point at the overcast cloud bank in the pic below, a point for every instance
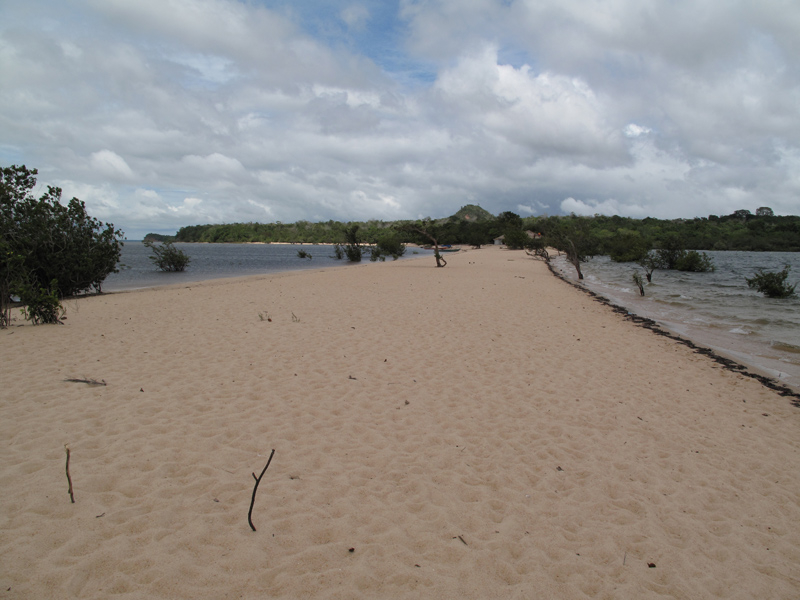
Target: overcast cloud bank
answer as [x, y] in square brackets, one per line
[164, 113]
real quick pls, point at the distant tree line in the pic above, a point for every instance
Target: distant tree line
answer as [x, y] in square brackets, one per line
[623, 238]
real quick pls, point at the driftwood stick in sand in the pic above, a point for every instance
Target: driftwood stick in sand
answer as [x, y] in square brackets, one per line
[88, 381]
[255, 487]
[69, 479]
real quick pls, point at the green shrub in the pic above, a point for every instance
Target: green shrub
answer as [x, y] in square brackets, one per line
[537, 248]
[388, 245]
[650, 262]
[304, 254]
[772, 285]
[42, 240]
[694, 261]
[167, 257]
[627, 246]
[41, 305]
[515, 239]
[670, 251]
[353, 252]
[353, 249]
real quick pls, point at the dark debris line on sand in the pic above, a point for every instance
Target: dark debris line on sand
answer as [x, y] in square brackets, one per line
[650, 324]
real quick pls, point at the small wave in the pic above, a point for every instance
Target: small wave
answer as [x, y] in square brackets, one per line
[784, 347]
[740, 331]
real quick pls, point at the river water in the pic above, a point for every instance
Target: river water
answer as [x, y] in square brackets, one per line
[717, 310]
[217, 261]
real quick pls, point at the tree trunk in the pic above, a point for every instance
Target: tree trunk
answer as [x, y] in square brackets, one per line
[574, 257]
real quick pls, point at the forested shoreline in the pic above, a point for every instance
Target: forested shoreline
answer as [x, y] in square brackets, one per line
[741, 230]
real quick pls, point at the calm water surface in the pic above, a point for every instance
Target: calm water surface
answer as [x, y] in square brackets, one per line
[217, 261]
[716, 309]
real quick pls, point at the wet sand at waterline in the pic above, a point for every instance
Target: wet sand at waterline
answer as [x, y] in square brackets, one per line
[478, 431]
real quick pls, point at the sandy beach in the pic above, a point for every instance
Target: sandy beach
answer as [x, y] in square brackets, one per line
[479, 431]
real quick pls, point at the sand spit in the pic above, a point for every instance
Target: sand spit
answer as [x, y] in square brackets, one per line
[478, 431]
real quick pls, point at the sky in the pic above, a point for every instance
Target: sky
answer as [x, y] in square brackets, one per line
[164, 113]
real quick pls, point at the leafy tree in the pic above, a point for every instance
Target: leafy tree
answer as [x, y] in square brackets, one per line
[695, 261]
[536, 247]
[46, 247]
[388, 244]
[476, 234]
[627, 246]
[352, 248]
[508, 220]
[167, 257]
[515, 239]
[574, 237]
[428, 230]
[772, 285]
[670, 251]
[41, 305]
[649, 262]
[764, 211]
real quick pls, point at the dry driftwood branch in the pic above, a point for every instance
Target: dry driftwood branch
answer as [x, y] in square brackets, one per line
[69, 479]
[255, 487]
[88, 381]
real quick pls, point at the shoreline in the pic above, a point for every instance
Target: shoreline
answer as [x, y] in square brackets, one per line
[719, 355]
[221, 262]
[759, 356]
[480, 430]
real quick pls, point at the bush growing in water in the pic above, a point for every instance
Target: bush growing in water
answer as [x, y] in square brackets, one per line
[388, 245]
[695, 261]
[304, 254]
[772, 285]
[637, 279]
[167, 257]
[627, 246]
[352, 248]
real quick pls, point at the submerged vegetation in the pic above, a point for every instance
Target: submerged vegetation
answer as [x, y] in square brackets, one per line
[772, 285]
[167, 257]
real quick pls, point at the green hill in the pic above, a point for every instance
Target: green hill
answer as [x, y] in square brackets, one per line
[473, 214]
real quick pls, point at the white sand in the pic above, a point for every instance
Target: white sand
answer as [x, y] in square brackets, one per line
[478, 431]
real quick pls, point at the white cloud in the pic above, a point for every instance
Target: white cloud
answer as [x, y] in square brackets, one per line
[633, 130]
[111, 165]
[174, 112]
[213, 166]
[595, 207]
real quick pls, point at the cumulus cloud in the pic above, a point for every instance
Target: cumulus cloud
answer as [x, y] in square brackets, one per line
[594, 207]
[167, 113]
[111, 165]
[544, 113]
